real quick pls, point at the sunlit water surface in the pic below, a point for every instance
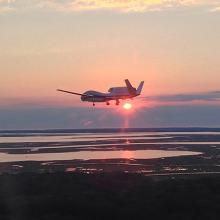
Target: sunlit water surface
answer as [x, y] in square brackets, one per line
[88, 141]
[88, 155]
[60, 137]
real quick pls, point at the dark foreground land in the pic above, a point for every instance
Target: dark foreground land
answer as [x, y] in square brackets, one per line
[108, 196]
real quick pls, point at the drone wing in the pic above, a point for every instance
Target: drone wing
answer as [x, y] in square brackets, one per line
[73, 93]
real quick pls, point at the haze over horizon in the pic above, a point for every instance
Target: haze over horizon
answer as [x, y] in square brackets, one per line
[95, 44]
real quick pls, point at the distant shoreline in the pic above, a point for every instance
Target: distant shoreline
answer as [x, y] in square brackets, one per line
[115, 130]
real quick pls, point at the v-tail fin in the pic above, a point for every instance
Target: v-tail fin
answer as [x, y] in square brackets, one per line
[130, 88]
[140, 87]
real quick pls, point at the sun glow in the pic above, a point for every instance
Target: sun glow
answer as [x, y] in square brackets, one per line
[127, 106]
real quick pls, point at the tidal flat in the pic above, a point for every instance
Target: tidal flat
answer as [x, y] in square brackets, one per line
[147, 152]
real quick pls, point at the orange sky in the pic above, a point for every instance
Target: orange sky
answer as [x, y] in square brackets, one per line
[174, 50]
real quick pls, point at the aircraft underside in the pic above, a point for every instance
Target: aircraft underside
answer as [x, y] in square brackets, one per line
[101, 99]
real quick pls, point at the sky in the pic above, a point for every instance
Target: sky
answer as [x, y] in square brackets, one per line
[79, 45]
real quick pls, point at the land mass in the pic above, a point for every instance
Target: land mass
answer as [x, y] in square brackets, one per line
[67, 196]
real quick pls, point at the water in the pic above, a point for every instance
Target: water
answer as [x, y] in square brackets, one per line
[88, 155]
[28, 146]
[73, 137]
[68, 138]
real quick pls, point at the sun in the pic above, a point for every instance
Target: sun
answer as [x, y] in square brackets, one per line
[127, 106]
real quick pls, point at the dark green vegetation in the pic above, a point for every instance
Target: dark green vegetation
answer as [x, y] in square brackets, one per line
[108, 196]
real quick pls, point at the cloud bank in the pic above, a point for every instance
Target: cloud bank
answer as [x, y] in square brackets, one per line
[117, 5]
[213, 96]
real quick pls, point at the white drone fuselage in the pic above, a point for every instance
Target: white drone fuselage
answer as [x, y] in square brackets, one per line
[114, 93]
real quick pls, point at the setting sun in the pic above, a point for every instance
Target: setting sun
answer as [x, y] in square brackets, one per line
[127, 106]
